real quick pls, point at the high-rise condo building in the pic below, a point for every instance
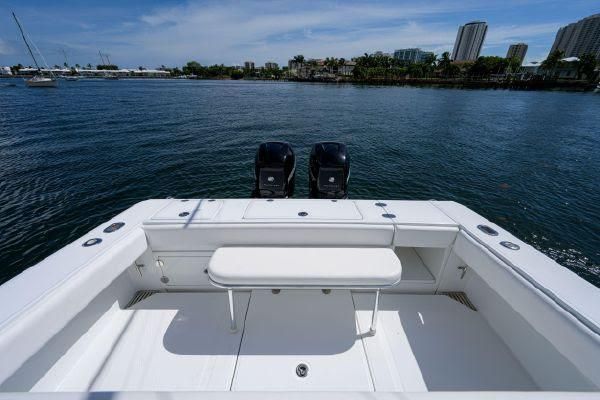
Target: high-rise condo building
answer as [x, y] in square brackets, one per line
[469, 41]
[518, 51]
[412, 55]
[249, 65]
[579, 38]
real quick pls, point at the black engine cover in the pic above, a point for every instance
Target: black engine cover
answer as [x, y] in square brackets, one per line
[274, 170]
[329, 171]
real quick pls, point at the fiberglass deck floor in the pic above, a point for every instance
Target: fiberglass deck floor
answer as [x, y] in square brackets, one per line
[181, 341]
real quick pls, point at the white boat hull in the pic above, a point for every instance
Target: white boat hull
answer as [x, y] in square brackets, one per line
[42, 82]
[130, 307]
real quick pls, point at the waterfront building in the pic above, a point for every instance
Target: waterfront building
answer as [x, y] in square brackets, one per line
[347, 69]
[579, 38]
[380, 53]
[532, 68]
[271, 65]
[5, 71]
[123, 73]
[469, 41]
[518, 51]
[412, 55]
[249, 65]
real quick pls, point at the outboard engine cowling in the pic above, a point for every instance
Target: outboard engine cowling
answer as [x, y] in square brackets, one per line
[274, 170]
[329, 171]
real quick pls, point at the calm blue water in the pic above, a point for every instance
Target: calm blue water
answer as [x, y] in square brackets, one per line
[73, 157]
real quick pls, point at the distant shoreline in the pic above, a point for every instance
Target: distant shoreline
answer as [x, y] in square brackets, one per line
[527, 85]
[565, 85]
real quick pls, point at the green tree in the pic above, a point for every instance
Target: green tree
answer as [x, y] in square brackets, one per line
[237, 74]
[446, 66]
[586, 66]
[331, 64]
[553, 61]
[193, 68]
[15, 68]
[486, 66]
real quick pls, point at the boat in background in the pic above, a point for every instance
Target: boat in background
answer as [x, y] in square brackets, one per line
[41, 81]
[36, 80]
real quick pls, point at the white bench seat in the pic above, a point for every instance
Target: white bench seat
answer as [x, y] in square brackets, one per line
[322, 267]
[302, 268]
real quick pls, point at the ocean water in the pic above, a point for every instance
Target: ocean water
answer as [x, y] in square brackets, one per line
[73, 157]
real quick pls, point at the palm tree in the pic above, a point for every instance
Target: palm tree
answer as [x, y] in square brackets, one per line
[299, 61]
[586, 66]
[430, 63]
[553, 61]
[448, 69]
[331, 63]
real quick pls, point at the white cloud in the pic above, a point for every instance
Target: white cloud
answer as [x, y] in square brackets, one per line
[231, 31]
[260, 31]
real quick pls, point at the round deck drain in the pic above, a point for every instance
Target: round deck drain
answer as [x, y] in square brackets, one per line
[510, 245]
[487, 230]
[91, 242]
[388, 215]
[114, 227]
[380, 204]
[275, 291]
[302, 214]
[184, 214]
[302, 370]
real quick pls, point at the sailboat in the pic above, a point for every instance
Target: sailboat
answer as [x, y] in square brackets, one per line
[36, 80]
[71, 78]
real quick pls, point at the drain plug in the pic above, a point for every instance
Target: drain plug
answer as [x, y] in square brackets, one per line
[302, 370]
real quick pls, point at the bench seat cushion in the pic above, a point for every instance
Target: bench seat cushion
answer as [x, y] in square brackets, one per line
[326, 267]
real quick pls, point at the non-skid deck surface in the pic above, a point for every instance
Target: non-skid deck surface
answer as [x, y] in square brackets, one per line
[429, 343]
[181, 341]
[170, 341]
[302, 327]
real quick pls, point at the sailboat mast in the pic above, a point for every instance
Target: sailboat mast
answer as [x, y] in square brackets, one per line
[25, 40]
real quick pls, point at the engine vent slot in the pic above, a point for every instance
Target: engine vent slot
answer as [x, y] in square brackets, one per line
[461, 297]
[139, 296]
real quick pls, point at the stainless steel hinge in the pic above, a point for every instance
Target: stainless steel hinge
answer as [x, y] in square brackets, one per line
[463, 269]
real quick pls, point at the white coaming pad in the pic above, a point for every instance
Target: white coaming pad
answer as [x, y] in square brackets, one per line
[170, 341]
[301, 327]
[431, 342]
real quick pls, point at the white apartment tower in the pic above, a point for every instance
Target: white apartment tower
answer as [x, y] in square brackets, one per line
[469, 41]
[518, 51]
[579, 38]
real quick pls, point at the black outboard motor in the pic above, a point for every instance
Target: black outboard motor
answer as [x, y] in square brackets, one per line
[329, 171]
[274, 170]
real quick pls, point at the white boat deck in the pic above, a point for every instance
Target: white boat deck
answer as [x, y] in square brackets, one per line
[181, 342]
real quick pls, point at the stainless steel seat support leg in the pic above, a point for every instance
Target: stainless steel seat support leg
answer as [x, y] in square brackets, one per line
[374, 316]
[233, 326]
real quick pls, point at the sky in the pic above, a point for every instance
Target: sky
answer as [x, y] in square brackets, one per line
[152, 33]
